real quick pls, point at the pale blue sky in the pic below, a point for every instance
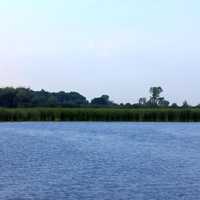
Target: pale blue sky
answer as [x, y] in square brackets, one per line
[95, 47]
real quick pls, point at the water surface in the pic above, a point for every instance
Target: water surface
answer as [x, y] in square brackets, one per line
[99, 161]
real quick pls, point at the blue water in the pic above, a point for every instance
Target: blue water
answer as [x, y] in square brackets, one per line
[99, 161]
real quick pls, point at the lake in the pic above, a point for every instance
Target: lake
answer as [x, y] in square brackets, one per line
[99, 161]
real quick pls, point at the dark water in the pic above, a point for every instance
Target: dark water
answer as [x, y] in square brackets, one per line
[99, 161]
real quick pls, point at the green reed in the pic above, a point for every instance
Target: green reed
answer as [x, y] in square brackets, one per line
[100, 114]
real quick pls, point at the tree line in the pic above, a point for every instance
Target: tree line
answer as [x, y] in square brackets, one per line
[22, 97]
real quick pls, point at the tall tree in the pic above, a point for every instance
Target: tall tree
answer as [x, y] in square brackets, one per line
[102, 101]
[142, 101]
[185, 104]
[155, 94]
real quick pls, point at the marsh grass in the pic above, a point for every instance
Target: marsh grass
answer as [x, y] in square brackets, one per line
[100, 114]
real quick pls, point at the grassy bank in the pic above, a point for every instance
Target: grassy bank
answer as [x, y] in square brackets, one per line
[100, 114]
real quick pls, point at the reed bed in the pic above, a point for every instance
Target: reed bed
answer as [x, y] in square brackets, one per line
[100, 114]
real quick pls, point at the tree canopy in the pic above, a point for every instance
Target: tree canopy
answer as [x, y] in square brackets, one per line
[102, 101]
[25, 97]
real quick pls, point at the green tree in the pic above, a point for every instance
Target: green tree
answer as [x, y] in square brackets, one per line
[174, 105]
[142, 101]
[161, 102]
[102, 101]
[185, 104]
[155, 94]
[7, 97]
[23, 97]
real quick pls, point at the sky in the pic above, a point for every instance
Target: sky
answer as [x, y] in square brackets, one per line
[96, 47]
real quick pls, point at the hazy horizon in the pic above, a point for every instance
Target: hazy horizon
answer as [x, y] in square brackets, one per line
[102, 47]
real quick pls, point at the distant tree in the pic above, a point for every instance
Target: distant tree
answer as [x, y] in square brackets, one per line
[142, 101]
[102, 101]
[127, 105]
[162, 102]
[155, 94]
[40, 98]
[174, 105]
[155, 99]
[74, 98]
[23, 97]
[198, 106]
[7, 97]
[52, 101]
[105, 96]
[185, 104]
